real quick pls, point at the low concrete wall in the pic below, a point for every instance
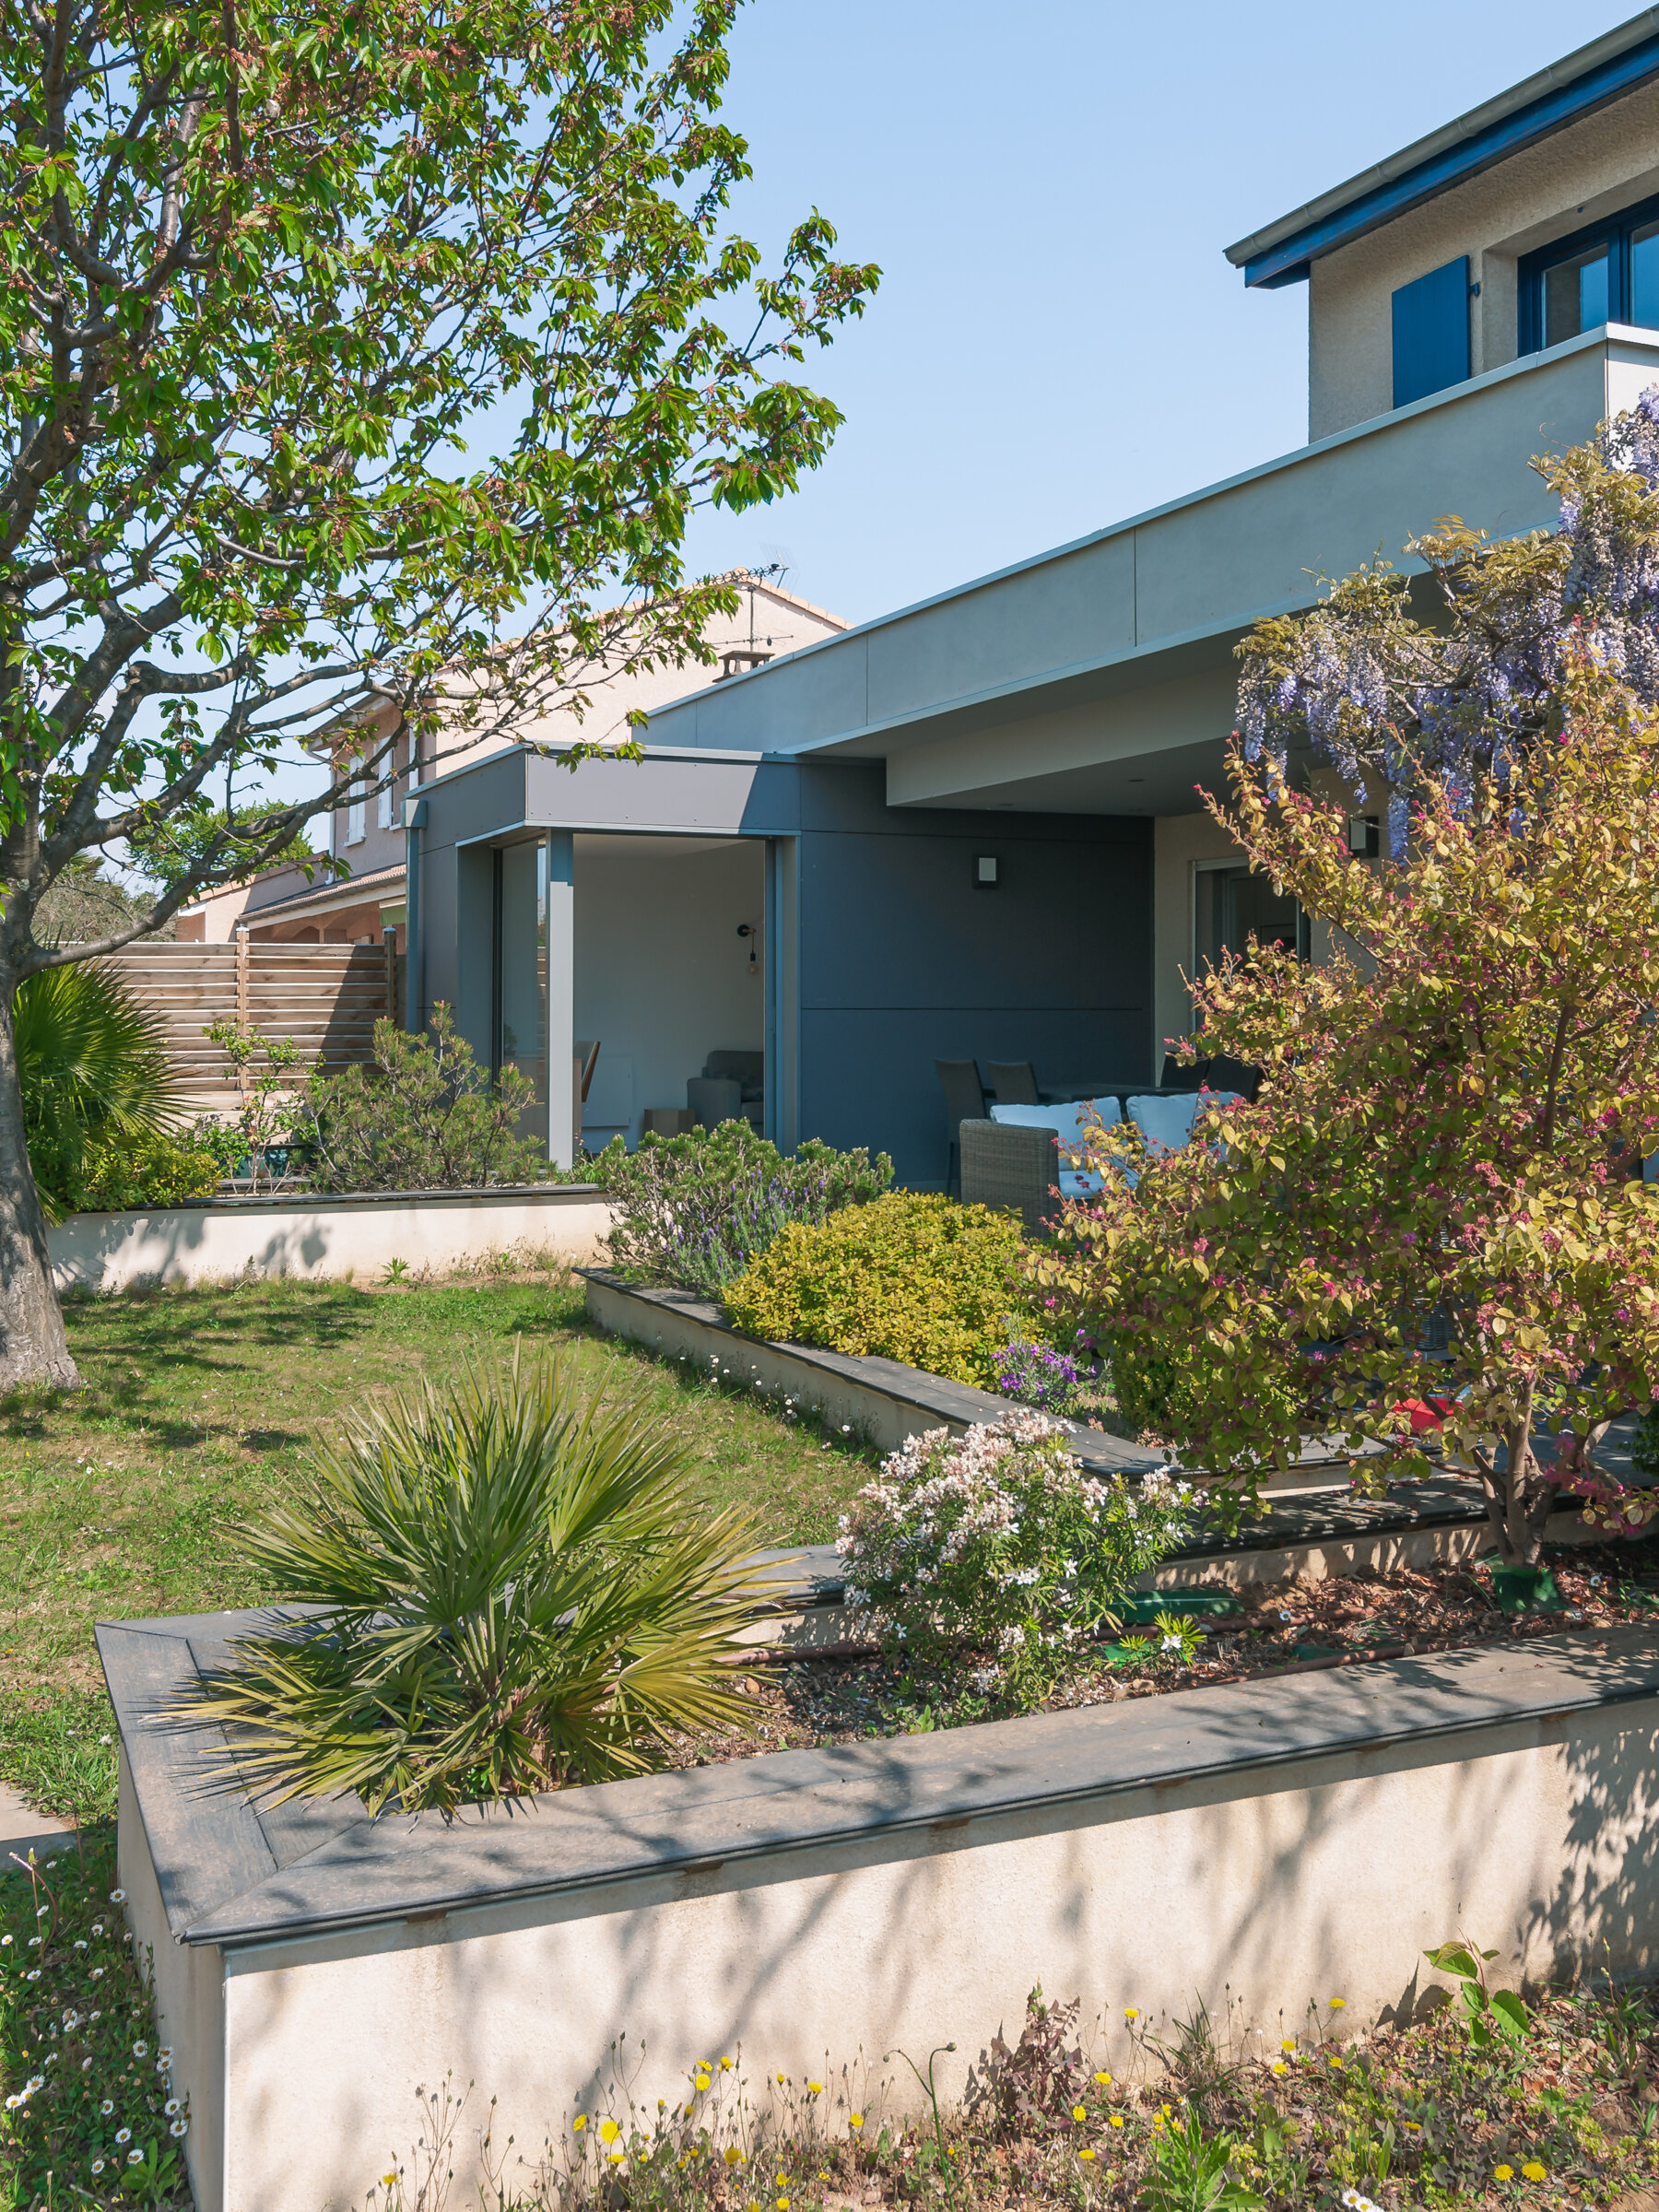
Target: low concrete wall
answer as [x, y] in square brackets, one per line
[218, 1240]
[1256, 1846]
[882, 1400]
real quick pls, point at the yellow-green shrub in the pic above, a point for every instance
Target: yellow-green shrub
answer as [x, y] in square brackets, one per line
[912, 1276]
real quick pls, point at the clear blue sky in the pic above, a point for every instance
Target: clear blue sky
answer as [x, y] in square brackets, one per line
[1058, 341]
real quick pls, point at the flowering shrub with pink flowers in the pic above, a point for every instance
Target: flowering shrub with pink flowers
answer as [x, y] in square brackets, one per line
[1433, 1227]
[995, 1550]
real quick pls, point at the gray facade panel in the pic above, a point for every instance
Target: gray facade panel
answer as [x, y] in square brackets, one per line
[1074, 608]
[867, 1075]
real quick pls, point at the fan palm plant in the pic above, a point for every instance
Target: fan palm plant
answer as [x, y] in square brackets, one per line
[92, 1066]
[516, 1591]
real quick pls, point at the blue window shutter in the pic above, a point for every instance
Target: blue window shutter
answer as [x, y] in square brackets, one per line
[1431, 332]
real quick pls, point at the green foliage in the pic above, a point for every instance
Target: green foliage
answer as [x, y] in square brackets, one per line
[423, 1116]
[245, 332]
[92, 2115]
[997, 1544]
[1192, 2171]
[1489, 2014]
[697, 1209]
[60, 1752]
[200, 839]
[912, 1276]
[1456, 1107]
[124, 1172]
[93, 1069]
[1173, 1638]
[518, 1592]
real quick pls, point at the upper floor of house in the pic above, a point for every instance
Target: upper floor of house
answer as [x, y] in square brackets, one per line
[1528, 221]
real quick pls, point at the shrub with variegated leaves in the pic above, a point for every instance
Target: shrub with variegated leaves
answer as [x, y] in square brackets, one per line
[996, 1550]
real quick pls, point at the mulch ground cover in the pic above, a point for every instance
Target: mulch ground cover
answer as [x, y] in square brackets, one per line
[1300, 1626]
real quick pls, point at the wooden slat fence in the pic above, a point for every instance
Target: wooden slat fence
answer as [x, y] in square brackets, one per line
[326, 997]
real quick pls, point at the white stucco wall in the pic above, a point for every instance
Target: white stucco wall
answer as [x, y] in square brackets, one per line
[320, 1238]
[662, 979]
[1258, 1893]
[1606, 161]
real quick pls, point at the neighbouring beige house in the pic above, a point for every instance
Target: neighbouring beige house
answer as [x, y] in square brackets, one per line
[281, 906]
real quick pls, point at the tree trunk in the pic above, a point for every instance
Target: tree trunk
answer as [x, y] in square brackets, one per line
[1520, 1498]
[34, 1351]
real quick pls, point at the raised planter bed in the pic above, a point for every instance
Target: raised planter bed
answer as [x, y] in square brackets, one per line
[1315, 1524]
[1255, 1846]
[219, 1239]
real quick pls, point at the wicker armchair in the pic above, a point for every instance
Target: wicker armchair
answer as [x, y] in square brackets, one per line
[1008, 1165]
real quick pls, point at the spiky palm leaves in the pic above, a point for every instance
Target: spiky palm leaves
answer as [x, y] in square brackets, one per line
[517, 1591]
[92, 1065]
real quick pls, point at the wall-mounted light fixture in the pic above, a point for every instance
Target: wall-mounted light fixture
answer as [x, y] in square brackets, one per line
[750, 930]
[984, 872]
[1364, 836]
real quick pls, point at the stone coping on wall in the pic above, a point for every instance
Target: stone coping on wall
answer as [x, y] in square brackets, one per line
[515, 1194]
[234, 1875]
[1332, 1514]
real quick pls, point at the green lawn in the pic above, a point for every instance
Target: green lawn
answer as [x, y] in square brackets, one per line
[127, 1499]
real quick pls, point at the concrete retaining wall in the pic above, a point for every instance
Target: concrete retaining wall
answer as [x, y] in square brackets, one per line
[324, 1236]
[1258, 1846]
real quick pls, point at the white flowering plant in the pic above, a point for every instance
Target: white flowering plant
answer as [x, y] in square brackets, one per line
[996, 1552]
[90, 2111]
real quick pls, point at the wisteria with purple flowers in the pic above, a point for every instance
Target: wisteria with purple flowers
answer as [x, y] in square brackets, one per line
[1360, 683]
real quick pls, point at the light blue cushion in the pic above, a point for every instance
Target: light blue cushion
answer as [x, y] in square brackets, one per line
[1168, 1122]
[1065, 1120]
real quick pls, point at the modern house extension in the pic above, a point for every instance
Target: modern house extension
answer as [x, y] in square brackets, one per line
[970, 829]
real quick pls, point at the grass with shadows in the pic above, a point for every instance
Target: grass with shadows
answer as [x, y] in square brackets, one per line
[127, 1499]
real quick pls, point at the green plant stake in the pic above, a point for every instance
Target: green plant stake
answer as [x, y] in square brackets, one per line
[1487, 2014]
[1526, 1590]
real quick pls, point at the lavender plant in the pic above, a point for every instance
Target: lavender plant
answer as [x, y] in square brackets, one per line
[696, 1209]
[997, 1548]
[1035, 1374]
[1387, 699]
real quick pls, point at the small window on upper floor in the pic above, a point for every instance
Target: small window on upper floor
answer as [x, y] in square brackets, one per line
[1607, 273]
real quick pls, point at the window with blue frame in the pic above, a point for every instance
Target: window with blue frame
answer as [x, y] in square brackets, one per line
[1607, 273]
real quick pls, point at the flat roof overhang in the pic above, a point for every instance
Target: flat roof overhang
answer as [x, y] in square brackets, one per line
[1591, 77]
[1100, 677]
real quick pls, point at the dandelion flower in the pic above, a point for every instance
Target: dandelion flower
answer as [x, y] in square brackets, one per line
[855, 2119]
[726, 2065]
[699, 2081]
[734, 2157]
[1102, 2079]
[579, 2123]
[387, 2180]
[1132, 2012]
[1116, 2120]
[1337, 2004]
[609, 2131]
[780, 2079]
[814, 2089]
[1335, 2062]
[1288, 2043]
[1503, 2173]
[613, 2158]
[1078, 2113]
[1280, 2066]
[1532, 2170]
[1085, 2154]
[782, 2203]
[823, 2173]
